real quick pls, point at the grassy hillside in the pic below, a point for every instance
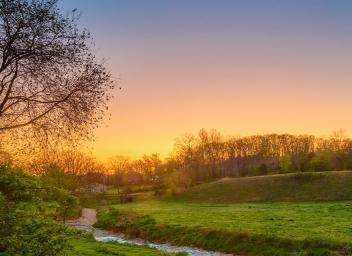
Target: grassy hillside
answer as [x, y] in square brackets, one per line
[292, 214]
[324, 186]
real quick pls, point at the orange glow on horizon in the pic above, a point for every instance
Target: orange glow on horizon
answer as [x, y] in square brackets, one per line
[236, 67]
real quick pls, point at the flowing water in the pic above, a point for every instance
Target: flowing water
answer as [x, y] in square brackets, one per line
[88, 218]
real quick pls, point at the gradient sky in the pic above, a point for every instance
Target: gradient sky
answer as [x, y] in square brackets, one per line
[239, 66]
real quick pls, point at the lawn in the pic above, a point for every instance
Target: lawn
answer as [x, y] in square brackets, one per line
[328, 221]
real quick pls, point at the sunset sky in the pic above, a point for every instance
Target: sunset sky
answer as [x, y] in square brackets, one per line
[242, 67]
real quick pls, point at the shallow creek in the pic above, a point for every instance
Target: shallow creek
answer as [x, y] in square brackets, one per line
[88, 218]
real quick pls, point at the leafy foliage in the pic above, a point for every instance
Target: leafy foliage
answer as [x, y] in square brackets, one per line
[26, 210]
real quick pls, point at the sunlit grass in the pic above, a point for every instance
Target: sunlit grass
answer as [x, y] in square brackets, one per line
[330, 221]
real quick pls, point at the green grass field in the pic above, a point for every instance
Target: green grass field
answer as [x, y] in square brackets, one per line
[299, 206]
[290, 214]
[328, 221]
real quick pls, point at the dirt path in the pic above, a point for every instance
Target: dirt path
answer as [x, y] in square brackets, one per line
[88, 216]
[86, 221]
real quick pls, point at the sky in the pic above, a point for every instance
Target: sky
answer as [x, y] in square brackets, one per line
[242, 67]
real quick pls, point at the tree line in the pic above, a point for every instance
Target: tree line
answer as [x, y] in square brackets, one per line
[209, 155]
[199, 158]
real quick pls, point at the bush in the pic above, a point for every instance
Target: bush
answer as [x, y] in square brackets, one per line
[321, 162]
[123, 220]
[301, 161]
[285, 164]
[26, 211]
[262, 169]
[38, 237]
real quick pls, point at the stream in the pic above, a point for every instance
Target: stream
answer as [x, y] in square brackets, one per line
[88, 218]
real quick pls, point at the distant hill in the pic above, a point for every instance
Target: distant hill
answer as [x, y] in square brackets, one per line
[310, 186]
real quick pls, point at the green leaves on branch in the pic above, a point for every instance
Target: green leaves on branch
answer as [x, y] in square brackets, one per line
[27, 208]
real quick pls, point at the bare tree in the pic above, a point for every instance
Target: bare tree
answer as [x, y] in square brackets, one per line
[50, 82]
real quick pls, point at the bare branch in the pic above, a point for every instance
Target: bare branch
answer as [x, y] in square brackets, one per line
[50, 81]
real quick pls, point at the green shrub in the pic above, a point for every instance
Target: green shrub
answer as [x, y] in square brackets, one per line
[262, 169]
[285, 164]
[26, 211]
[321, 162]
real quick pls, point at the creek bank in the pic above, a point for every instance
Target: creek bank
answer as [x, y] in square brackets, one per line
[162, 247]
[88, 219]
[134, 224]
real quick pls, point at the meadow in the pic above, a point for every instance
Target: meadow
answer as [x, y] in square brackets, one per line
[330, 221]
[302, 218]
